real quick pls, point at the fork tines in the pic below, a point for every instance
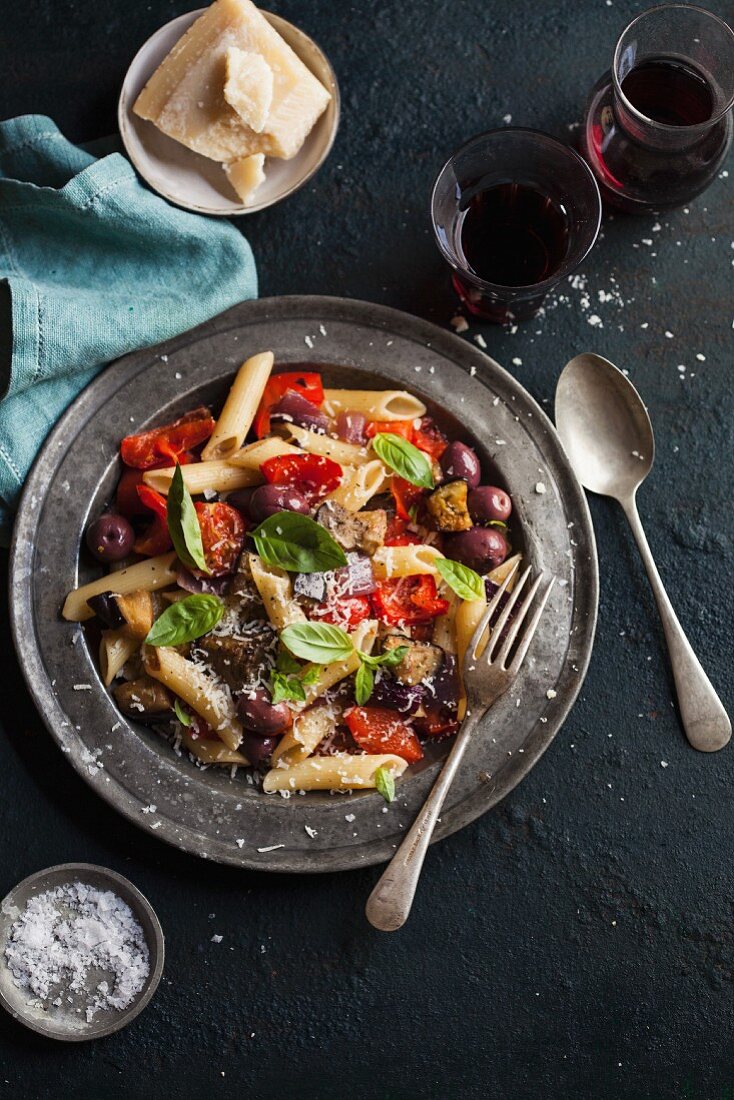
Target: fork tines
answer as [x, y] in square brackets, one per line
[505, 631]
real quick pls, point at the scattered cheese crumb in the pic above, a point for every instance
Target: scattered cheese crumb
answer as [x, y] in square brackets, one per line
[271, 848]
[539, 487]
[217, 939]
[550, 693]
[479, 339]
[459, 323]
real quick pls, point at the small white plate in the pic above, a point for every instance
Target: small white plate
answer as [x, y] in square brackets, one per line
[195, 182]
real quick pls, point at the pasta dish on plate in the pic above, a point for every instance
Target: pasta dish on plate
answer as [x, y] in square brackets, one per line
[293, 585]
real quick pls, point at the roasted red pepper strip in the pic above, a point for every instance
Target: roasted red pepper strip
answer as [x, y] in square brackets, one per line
[429, 438]
[308, 384]
[378, 730]
[398, 535]
[154, 540]
[314, 475]
[408, 600]
[222, 535]
[435, 725]
[406, 497]
[344, 611]
[153, 501]
[148, 449]
[395, 427]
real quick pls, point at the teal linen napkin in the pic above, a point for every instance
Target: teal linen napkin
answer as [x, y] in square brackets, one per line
[92, 265]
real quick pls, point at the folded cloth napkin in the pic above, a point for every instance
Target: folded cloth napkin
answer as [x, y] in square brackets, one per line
[92, 265]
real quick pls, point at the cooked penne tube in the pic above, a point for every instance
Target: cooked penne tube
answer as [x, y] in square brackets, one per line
[115, 649]
[346, 454]
[276, 593]
[211, 752]
[359, 484]
[240, 407]
[375, 404]
[444, 626]
[330, 773]
[468, 614]
[151, 574]
[218, 476]
[405, 561]
[309, 729]
[363, 638]
[190, 683]
[251, 456]
[501, 571]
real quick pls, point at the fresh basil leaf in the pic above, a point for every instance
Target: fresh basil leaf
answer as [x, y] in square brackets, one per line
[364, 683]
[311, 676]
[186, 620]
[467, 584]
[404, 458]
[285, 663]
[183, 715]
[385, 783]
[286, 687]
[318, 642]
[183, 525]
[297, 543]
[385, 660]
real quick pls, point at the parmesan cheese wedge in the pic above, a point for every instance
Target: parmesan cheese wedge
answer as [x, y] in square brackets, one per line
[185, 96]
[246, 175]
[248, 87]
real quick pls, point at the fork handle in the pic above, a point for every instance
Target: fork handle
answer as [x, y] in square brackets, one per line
[390, 902]
[704, 719]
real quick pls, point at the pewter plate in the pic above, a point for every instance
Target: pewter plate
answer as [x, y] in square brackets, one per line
[67, 1021]
[355, 344]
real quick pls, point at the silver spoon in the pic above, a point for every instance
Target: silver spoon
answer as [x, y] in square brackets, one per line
[607, 435]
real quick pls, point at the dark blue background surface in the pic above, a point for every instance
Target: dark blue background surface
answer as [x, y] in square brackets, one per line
[579, 940]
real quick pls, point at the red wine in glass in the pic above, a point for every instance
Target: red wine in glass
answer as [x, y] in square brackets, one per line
[658, 125]
[514, 235]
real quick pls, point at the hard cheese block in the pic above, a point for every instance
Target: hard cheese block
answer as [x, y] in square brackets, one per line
[249, 87]
[185, 95]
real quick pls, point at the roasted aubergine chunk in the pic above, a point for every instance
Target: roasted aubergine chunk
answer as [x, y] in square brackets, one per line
[447, 506]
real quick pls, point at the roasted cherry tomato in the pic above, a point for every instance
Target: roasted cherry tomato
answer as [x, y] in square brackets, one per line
[222, 534]
[406, 497]
[167, 444]
[379, 730]
[397, 534]
[308, 384]
[408, 600]
[435, 725]
[127, 501]
[314, 475]
[429, 438]
[344, 611]
[395, 427]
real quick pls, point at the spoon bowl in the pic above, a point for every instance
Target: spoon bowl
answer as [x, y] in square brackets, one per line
[604, 427]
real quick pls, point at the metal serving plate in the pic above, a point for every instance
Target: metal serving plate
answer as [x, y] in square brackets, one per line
[355, 344]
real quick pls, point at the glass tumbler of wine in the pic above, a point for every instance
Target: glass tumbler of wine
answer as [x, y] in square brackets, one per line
[658, 125]
[514, 212]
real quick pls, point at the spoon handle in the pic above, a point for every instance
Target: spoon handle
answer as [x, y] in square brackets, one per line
[704, 719]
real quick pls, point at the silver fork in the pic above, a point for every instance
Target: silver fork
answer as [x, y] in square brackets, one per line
[487, 675]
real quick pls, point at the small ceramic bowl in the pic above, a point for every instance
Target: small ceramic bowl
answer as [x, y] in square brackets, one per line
[66, 1022]
[195, 182]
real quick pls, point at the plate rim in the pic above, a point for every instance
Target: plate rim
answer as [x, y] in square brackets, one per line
[236, 211]
[290, 307]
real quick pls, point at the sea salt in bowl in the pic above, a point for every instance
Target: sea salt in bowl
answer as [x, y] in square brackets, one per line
[108, 998]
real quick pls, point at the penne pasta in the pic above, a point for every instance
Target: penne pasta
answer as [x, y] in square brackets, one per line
[211, 752]
[359, 484]
[468, 614]
[405, 561]
[218, 476]
[375, 404]
[190, 683]
[240, 407]
[331, 773]
[251, 456]
[309, 729]
[276, 593]
[363, 638]
[346, 454]
[150, 574]
[444, 626]
[499, 573]
[115, 649]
